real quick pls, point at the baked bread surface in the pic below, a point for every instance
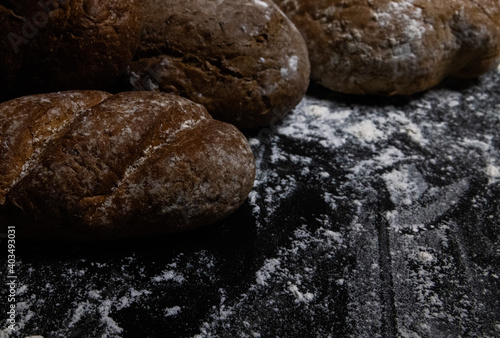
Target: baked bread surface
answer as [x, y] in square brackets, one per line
[135, 164]
[396, 47]
[28, 123]
[243, 60]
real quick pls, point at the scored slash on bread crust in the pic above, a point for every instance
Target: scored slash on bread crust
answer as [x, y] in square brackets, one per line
[28, 123]
[137, 163]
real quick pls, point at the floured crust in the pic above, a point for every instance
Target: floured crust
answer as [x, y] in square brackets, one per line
[243, 60]
[54, 45]
[396, 47]
[138, 163]
[28, 123]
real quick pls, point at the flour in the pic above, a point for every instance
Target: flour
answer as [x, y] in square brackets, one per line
[260, 3]
[300, 297]
[405, 185]
[366, 131]
[169, 275]
[316, 123]
[291, 70]
[173, 311]
[425, 256]
[266, 271]
[493, 173]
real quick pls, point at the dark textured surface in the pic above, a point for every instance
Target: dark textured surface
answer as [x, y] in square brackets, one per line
[369, 218]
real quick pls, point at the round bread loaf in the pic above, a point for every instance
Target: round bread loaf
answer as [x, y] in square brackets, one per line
[243, 60]
[135, 164]
[51, 45]
[396, 47]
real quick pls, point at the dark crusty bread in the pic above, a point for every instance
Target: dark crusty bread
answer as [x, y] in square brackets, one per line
[137, 163]
[49, 45]
[243, 60]
[28, 123]
[396, 47]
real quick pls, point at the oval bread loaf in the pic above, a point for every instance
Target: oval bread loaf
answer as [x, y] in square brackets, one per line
[137, 163]
[396, 47]
[49, 45]
[243, 60]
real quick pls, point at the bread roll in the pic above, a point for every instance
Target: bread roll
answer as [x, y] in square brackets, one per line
[135, 164]
[49, 45]
[243, 60]
[396, 47]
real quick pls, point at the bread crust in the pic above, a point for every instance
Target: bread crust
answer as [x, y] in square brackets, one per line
[136, 164]
[27, 124]
[50, 45]
[243, 60]
[396, 47]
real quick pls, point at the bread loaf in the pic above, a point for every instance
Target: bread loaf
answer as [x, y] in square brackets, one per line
[243, 60]
[49, 45]
[396, 47]
[136, 163]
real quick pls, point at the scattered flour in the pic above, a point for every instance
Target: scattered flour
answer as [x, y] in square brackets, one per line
[173, 311]
[169, 275]
[316, 123]
[425, 256]
[291, 276]
[493, 173]
[299, 296]
[405, 185]
[266, 271]
[366, 131]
